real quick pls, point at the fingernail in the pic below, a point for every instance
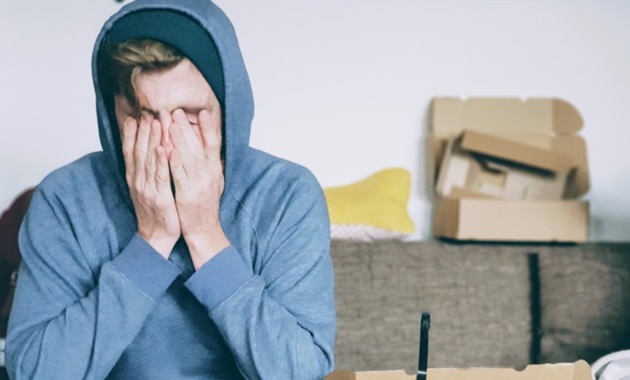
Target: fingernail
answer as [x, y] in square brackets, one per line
[179, 113]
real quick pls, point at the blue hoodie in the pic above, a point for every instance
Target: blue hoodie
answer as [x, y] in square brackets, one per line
[95, 301]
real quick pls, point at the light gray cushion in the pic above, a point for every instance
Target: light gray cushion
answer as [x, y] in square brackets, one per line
[585, 301]
[478, 297]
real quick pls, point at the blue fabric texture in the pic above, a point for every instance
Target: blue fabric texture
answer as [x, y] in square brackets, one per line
[95, 301]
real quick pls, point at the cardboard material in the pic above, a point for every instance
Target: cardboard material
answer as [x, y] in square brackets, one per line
[479, 164]
[370, 375]
[508, 170]
[579, 370]
[500, 220]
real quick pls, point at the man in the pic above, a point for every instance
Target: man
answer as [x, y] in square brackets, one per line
[178, 252]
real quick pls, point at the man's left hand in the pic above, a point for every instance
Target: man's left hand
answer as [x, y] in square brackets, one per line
[197, 173]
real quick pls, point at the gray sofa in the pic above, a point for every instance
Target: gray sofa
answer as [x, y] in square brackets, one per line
[491, 305]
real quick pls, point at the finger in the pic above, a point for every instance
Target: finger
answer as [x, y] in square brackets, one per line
[180, 144]
[192, 140]
[142, 143]
[165, 120]
[154, 142]
[162, 176]
[177, 168]
[211, 135]
[129, 131]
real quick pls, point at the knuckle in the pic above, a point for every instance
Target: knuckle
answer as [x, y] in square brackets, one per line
[161, 203]
[137, 183]
[127, 150]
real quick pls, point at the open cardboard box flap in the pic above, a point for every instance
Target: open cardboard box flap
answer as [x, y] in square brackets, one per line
[542, 116]
[522, 153]
[579, 370]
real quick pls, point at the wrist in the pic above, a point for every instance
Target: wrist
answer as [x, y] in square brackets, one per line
[163, 245]
[204, 246]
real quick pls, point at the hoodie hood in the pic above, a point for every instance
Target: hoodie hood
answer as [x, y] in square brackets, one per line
[203, 33]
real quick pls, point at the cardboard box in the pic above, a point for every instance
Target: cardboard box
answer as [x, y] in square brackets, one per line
[534, 143]
[579, 370]
[523, 221]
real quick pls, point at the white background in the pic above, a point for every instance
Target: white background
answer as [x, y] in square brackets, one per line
[343, 86]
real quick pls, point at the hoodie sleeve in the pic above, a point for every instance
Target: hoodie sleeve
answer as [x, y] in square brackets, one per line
[69, 321]
[279, 323]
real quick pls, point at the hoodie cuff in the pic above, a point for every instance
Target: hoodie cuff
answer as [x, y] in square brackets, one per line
[219, 278]
[146, 268]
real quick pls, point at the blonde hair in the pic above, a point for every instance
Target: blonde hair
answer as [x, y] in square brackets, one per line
[123, 63]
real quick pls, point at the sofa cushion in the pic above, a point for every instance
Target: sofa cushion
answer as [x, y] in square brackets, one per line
[585, 301]
[478, 297]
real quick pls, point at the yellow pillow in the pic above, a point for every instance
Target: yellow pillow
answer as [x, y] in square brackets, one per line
[372, 209]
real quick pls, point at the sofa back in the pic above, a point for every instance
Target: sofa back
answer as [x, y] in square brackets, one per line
[491, 305]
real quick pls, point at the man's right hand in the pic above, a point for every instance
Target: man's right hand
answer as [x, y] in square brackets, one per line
[149, 182]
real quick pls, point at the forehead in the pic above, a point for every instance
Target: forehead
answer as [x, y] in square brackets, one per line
[181, 86]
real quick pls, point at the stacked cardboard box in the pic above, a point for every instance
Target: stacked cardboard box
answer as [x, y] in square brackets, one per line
[504, 169]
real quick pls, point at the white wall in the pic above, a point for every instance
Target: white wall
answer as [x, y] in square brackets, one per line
[343, 86]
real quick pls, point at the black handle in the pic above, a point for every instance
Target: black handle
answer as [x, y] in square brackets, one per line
[423, 353]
